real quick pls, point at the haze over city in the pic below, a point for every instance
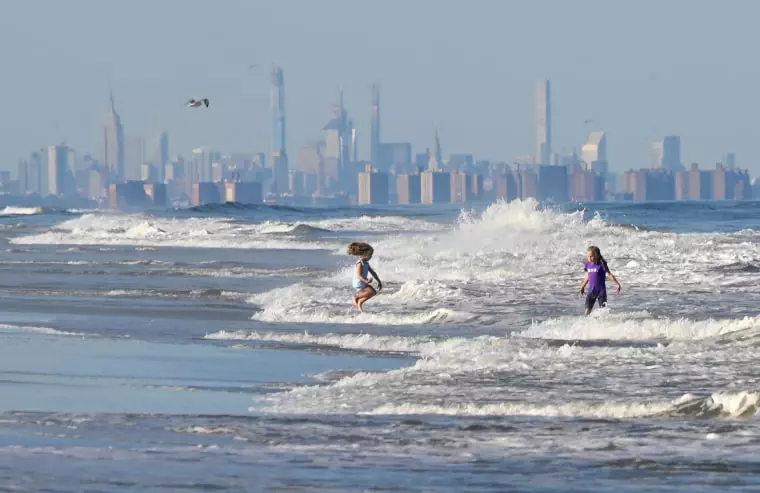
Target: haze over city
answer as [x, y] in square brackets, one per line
[639, 71]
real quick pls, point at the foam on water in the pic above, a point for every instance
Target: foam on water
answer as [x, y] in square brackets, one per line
[363, 342]
[21, 211]
[38, 330]
[565, 374]
[512, 254]
[721, 404]
[636, 326]
[141, 230]
[220, 232]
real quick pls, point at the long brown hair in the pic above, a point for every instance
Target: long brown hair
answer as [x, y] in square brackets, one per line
[360, 248]
[596, 255]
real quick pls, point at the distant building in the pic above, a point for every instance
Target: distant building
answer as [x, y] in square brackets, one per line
[243, 192]
[280, 172]
[60, 178]
[97, 182]
[395, 157]
[586, 186]
[218, 171]
[373, 187]
[374, 129]
[507, 187]
[408, 189]
[460, 187]
[461, 162]
[421, 160]
[112, 142]
[32, 174]
[435, 160]
[206, 193]
[23, 176]
[277, 102]
[476, 186]
[743, 189]
[296, 183]
[700, 183]
[528, 183]
[435, 187]
[160, 154]
[594, 152]
[730, 184]
[667, 153]
[681, 184]
[137, 194]
[134, 157]
[649, 184]
[553, 183]
[278, 148]
[199, 168]
[729, 160]
[543, 123]
[156, 193]
[148, 172]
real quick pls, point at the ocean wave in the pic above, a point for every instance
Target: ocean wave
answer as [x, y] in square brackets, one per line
[146, 231]
[635, 326]
[359, 342]
[39, 330]
[723, 405]
[237, 208]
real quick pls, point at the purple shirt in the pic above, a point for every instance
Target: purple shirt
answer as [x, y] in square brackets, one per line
[597, 274]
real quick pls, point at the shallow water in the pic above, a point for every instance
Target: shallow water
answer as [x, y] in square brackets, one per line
[217, 349]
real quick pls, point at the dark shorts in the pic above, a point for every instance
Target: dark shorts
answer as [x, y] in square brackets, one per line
[592, 298]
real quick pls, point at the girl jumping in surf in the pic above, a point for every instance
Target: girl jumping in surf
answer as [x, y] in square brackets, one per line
[596, 273]
[362, 282]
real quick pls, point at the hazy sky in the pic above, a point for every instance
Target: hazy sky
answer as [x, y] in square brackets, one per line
[639, 69]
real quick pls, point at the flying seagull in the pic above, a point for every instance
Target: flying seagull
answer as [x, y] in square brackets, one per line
[196, 104]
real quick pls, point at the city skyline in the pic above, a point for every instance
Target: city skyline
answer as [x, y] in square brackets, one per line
[637, 96]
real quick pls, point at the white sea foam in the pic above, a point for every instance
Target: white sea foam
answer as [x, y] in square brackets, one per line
[38, 330]
[363, 342]
[720, 404]
[636, 326]
[453, 375]
[150, 231]
[21, 211]
[145, 231]
[512, 255]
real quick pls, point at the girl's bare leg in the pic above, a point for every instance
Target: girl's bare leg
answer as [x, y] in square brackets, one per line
[363, 296]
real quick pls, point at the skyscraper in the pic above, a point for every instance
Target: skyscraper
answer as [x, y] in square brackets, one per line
[667, 153]
[160, 154]
[729, 159]
[134, 157]
[375, 126]
[278, 111]
[339, 137]
[58, 169]
[543, 123]
[278, 153]
[112, 143]
[435, 162]
[594, 152]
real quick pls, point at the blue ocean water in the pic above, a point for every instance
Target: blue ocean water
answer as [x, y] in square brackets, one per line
[216, 348]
